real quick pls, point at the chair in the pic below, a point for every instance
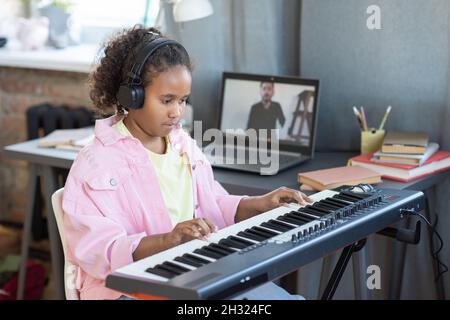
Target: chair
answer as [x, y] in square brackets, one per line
[69, 268]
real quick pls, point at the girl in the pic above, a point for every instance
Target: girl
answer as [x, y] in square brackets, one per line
[143, 185]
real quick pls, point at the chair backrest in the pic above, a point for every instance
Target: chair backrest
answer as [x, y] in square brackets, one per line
[69, 268]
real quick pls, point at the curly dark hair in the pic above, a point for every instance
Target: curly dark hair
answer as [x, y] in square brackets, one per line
[114, 66]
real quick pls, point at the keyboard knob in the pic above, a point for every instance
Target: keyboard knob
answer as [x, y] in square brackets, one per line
[322, 225]
[311, 230]
[294, 238]
[305, 233]
[316, 228]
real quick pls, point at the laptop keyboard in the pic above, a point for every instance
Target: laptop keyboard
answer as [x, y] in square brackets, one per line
[244, 157]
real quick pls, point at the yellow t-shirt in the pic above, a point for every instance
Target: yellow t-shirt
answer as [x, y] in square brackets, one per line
[174, 178]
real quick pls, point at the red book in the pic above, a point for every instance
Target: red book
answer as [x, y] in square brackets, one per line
[440, 161]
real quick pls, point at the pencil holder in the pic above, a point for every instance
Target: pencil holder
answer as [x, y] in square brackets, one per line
[371, 140]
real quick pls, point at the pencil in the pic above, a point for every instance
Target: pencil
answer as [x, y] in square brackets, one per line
[386, 114]
[358, 116]
[363, 119]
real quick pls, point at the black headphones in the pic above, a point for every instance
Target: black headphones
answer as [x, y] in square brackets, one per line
[131, 93]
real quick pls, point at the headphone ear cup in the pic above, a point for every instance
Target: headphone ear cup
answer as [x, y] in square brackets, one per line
[131, 96]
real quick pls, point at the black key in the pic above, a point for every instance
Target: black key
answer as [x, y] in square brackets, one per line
[297, 217]
[274, 227]
[315, 212]
[266, 231]
[319, 207]
[258, 233]
[251, 236]
[220, 246]
[215, 250]
[246, 242]
[176, 267]
[167, 268]
[343, 197]
[188, 262]
[290, 220]
[232, 244]
[207, 253]
[337, 202]
[195, 258]
[282, 224]
[308, 214]
[161, 272]
[327, 206]
[307, 217]
[303, 217]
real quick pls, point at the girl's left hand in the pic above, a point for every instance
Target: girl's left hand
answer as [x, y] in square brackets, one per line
[281, 197]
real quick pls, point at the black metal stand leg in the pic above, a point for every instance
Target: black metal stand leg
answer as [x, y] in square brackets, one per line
[340, 268]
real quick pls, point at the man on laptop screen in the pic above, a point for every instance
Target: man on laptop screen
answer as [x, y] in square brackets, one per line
[275, 111]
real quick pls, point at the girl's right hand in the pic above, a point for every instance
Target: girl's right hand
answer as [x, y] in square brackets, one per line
[189, 230]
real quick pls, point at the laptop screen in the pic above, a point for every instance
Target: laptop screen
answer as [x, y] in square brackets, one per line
[266, 102]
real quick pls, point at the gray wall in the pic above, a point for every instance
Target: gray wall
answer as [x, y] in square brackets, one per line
[405, 64]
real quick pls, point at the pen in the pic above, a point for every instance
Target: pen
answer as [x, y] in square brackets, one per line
[358, 116]
[386, 114]
[363, 119]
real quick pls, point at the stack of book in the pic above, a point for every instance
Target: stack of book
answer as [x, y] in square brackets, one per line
[405, 156]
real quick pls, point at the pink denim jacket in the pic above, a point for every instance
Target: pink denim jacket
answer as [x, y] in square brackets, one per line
[112, 200]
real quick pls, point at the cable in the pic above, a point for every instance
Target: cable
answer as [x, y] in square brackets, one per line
[440, 264]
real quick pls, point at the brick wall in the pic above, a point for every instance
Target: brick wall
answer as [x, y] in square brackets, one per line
[20, 89]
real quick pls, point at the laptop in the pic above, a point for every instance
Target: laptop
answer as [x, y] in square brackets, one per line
[267, 123]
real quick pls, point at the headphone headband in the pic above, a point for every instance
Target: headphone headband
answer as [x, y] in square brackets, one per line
[144, 53]
[131, 93]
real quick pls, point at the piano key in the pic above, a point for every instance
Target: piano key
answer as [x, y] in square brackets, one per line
[298, 217]
[168, 269]
[217, 251]
[270, 232]
[240, 240]
[316, 213]
[291, 220]
[333, 204]
[251, 236]
[232, 244]
[207, 253]
[283, 224]
[337, 201]
[274, 227]
[188, 261]
[223, 247]
[326, 206]
[195, 258]
[161, 273]
[306, 217]
[258, 233]
[176, 266]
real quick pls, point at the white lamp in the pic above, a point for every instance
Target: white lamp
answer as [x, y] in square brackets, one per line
[186, 10]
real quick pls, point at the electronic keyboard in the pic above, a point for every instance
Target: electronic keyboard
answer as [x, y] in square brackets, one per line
[264, 247]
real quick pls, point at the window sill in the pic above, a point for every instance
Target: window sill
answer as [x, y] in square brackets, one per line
[78, 58]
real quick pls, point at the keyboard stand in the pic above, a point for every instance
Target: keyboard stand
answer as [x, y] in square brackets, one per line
[410, 236]
[340, 267]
